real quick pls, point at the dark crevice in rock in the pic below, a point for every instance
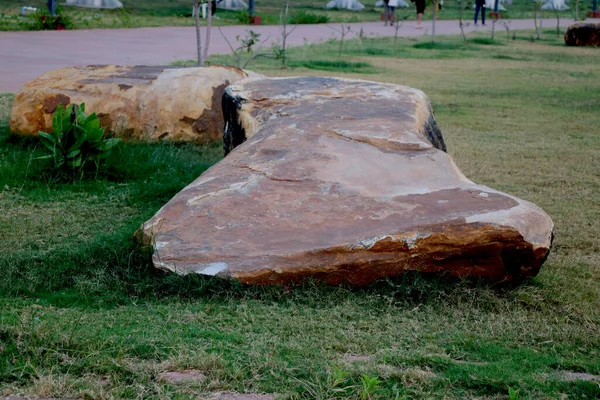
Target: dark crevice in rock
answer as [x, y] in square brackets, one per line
[233, 132]
[433, 134]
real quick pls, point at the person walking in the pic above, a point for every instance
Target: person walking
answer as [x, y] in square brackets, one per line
[52, 7]
[480, 6]
[420, 4]
[389, 13]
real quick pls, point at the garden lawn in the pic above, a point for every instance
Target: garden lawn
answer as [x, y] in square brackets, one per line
[83, 314]
[148, 13]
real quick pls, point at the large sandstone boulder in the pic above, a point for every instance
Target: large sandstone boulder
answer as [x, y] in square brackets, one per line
[583, 34]
[138, 103]
[341, 181]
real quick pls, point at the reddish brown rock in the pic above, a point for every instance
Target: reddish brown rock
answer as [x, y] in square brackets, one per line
[338, 180]
[175, 377]
[242, 396]
[583, 34]
[138, 103]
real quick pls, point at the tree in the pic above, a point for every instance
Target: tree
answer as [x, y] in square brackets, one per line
[461, 23]
[435, 9]
[202, 54]
[246, 46]
[343, 31]
[537, 4]
[198, 33]
[284, 17]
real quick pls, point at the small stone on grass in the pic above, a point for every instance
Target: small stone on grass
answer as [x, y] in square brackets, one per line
[356, 357]
[242, 396]
[175, 377]
[579, 376]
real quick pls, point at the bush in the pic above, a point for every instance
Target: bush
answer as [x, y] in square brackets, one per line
[307, 17]
[44, 21]
[77, 141]
[243, 17]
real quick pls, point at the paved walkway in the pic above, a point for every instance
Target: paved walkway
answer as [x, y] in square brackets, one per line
[26, 55]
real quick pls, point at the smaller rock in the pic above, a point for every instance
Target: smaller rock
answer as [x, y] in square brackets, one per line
[583, 34]
[579, 376]
[356, 357]
[242, 396]
[26, 398]
[175, 377]
[136, 103]
[478, 363]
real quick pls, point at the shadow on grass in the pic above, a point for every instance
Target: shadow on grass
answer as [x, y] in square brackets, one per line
[439, 46]
[486, 41]
[338, 66]
[112, 270]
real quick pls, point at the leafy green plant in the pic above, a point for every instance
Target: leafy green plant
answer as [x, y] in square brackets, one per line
[368, 386]
[243, 17]
[77, 140]
[513, 394]
[337, 379]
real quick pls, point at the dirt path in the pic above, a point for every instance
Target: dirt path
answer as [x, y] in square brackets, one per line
[26, 55]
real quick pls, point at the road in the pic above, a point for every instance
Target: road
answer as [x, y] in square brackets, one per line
[26, 55]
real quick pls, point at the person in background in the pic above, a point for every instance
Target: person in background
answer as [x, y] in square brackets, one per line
[52, 7]
[420, 4]
[480, 6]
[389, 13]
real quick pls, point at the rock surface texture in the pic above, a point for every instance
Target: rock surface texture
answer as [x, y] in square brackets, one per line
[583, 34]
[341, 181]
[136, 103]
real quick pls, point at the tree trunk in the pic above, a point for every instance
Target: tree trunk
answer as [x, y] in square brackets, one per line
[285, 35]
[433, 21]
[198, 35]
[207, 38]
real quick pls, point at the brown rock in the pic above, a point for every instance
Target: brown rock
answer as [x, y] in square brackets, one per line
[242, 396]
[338, 180]
[136, 103]
[583, 34]
[579, 376]
[175, 377]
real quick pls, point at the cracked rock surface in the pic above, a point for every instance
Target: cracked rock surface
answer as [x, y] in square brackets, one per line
[342, 181]
[136, 103]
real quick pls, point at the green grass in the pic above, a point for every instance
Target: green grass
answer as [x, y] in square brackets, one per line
[84, 315]
[137, 13]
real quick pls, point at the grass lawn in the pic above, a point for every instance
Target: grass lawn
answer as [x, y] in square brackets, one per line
[138, 13]
[84, 315]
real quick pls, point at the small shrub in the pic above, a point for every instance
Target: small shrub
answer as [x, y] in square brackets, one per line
[307, 17]
[76, 142]
[243, 17]
[368, 386]
[44, 21]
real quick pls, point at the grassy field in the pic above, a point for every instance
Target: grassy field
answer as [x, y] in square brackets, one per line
[138, 13]
[84, 315]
